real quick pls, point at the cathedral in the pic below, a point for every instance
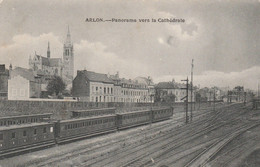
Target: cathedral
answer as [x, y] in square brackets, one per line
[63, 67]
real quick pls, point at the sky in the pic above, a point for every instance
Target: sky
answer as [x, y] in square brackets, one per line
[221, 36]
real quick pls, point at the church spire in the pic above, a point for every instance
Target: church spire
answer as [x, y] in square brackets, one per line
[68, 40]
[48, 50]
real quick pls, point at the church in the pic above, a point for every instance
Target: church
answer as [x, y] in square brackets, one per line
[48, 67]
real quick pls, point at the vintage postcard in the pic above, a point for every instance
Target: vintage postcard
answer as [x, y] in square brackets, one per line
[116, 83]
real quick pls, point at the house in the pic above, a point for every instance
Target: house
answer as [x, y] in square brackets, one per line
[93, 87]
[23, 84]
[173, 91]
[97, 87]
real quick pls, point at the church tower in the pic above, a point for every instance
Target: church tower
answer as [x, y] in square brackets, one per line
[68, 57]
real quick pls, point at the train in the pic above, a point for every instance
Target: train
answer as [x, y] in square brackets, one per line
[34, 135]
[93, 112]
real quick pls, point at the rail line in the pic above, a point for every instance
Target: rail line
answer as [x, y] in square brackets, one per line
[136, 162]
[203, 158]
[168, 154]
[140, 148]
[133, 135]
[107, 144]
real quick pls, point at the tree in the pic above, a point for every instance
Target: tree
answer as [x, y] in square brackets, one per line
[169, 98]
[56, 85]
[163, 96]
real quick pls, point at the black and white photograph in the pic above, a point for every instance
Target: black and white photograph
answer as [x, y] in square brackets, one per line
[129, 83]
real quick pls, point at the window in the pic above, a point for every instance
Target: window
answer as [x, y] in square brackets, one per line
[13, 135]
[14, 92]
[24, 133]
[35, 131]
[96, 88]
[1, 136]
[44, 130]
[108, 90]
[51, 129]
[22, 92]
[105, 90]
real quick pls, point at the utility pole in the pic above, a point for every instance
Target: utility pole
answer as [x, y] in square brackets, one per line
[187, 99]
[244, 98]
[258, 88]
[191, 84]
[214, 97]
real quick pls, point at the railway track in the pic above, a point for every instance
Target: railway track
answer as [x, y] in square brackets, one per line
[123, 154]
[204, 157]
[167, 154]
[94, 148]
[90, 147]
[136, 162]
[46, 161]
[105, 146]
[244, 142]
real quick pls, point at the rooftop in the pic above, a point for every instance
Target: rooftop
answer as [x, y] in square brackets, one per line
[96, 77]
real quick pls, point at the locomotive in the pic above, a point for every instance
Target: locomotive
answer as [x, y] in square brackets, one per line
[21, 137]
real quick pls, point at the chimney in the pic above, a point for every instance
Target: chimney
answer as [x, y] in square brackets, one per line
[10, 70]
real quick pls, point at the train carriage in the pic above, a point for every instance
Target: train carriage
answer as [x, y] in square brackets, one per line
[162, 114]
[19, 138]
[68, 130]
[93, 112]
[24, 119]
[130, 119]
[33, 134]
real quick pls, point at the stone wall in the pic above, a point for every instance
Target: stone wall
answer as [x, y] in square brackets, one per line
[62, 109]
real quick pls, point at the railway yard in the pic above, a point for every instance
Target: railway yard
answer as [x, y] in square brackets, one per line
[228, 136]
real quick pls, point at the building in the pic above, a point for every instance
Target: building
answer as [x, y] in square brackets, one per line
[93, 87]
[134, 92]
[236, 95]
[209, 94]
[55, 66]
[46, 65]
[23, 84]
[68, 58]
[4, 75]
[172, 92]
[151, 87]
[96, 87]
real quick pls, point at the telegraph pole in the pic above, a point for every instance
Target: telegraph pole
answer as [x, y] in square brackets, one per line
[258, 88]
[244, 98]
[191, 84]
[187, 99]
[214, 98]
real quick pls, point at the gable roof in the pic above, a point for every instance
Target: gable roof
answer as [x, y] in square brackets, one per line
[23, 72]
[52, 62]
[96, 77]
[166, 85]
